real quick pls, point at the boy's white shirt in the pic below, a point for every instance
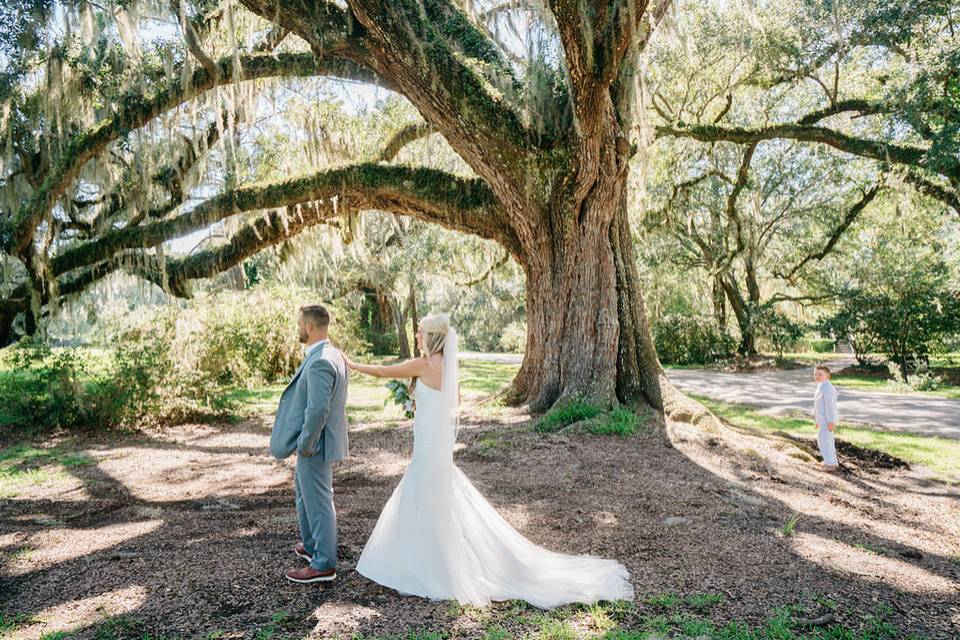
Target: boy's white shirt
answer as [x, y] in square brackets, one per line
[825, 409]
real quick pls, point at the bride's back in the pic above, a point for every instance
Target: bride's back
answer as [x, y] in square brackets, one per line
[434, 372]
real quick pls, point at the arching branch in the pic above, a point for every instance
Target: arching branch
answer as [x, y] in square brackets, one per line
[882, 151]
[137, 110]
[406, 135]
[435, 196]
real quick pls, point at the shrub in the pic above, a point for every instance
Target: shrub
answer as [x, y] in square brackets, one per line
[43, 388]
[514, 337]
[821, 345]
[781, 332]
[173, 363]
[682, 339]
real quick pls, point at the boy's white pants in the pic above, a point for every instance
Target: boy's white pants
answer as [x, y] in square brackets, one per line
[827, 444]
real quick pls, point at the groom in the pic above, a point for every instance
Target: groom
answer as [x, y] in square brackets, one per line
[311, 420]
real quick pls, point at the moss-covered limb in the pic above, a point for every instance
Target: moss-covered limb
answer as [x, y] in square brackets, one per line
[449, 88]
[192, 39]
[463, 34]
[19, 299]
[885, 152]
[834, 237]
[137, 110]
[436, 196]
[577, 29]
[853, 105]
[272, 39]
[406, 135]
[115, 205]
[175, 274]
[944, 193]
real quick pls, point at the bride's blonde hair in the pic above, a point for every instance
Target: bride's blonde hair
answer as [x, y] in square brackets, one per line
[435, 328]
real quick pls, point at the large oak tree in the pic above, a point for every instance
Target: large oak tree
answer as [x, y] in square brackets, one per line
[548, 138]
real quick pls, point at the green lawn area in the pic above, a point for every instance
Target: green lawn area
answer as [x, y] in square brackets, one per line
[942, 455]
[870, 383]
[367, 394]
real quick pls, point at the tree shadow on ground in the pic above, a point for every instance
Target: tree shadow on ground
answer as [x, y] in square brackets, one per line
[684, 519]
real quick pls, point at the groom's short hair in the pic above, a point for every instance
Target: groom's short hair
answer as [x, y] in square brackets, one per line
[316, 314]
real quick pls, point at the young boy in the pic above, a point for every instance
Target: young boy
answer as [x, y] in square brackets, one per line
[826, 416]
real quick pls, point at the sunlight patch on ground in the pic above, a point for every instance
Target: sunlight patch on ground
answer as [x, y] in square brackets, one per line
[150, 474]
[60, 545]
[869, 564]
[381, 463]
[344, 619]
[81, 612]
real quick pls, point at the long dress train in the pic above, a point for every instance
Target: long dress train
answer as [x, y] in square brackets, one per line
[438, 537]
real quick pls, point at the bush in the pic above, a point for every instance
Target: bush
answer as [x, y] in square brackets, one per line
[781, 332]
[43, 388]
[174, 363]
[907, 323]
[514, 338]
[682, 339]
[821, 345]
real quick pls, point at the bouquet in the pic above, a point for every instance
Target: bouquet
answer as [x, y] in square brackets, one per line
[400, 394]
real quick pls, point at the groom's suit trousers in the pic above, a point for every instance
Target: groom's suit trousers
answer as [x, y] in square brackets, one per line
[313, 489]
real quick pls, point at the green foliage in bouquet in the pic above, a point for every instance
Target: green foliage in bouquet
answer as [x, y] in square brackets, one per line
[400, 394]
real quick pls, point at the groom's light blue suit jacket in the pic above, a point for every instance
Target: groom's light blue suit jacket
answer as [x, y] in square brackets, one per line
[311, 418]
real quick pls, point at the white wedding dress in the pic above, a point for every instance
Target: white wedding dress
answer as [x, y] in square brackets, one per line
[439, 538]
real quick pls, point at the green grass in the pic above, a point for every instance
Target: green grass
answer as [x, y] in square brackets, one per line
[278, 622]
[23, 465]
[564, 415]
[120, 626]
[592, 419]
[479, 377]
[367, 394]
[666, 615]
[790, 526]
[939, 454]
[871, 383]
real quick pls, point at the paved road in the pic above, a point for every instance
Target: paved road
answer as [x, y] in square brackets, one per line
[789, 391]
[786, 392]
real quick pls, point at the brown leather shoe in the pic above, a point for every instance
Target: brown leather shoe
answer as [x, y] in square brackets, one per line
[301, 551]
[309, 574]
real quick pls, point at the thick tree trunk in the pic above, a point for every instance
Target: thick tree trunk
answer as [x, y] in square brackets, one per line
[719, 304]
[587, 333]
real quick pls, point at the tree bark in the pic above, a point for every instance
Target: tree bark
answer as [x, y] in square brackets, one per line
[587, 333]
[400, 324]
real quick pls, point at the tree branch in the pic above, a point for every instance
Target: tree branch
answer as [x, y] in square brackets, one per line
[882, 151]
[848, 219]
[435, 196]
[136, 110]
[406, 135]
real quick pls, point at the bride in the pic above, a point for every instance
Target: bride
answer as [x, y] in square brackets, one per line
[437, 537]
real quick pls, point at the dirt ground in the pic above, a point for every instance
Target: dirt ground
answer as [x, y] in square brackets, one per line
[187, 531]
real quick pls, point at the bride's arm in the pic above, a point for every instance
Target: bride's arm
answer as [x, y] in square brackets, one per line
[412, 368]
